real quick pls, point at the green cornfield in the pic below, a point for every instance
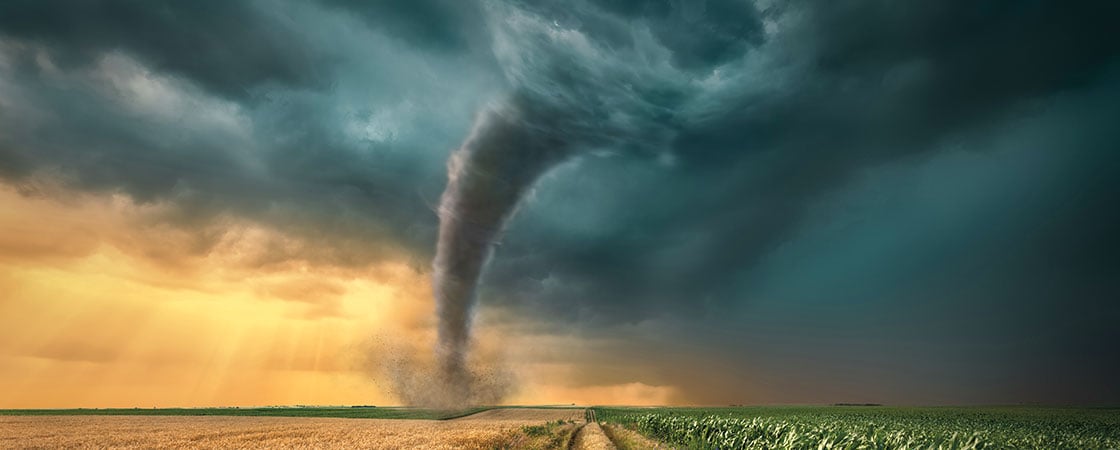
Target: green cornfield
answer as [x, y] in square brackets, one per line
[878, 428]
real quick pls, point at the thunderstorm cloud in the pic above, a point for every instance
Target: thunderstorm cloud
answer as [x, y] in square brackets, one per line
[819, 201]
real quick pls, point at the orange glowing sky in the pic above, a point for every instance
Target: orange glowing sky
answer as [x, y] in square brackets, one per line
[105, 305]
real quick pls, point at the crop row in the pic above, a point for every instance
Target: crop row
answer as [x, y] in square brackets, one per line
[864, 432]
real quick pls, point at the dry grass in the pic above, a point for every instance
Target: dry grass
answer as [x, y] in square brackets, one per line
[503, 430]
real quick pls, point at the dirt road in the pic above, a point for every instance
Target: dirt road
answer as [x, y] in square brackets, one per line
[591, 437]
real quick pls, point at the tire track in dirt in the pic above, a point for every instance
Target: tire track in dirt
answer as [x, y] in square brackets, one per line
[591, 436]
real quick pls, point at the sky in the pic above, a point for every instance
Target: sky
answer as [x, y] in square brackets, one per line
[761, 202]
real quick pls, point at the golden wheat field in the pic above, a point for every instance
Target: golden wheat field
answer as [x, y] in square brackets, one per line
[490, 429]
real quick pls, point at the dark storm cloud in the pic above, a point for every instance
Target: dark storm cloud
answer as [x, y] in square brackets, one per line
[1001, 282]
[301, 179]
[698, 35]
[834, 92]
[231, 108]
[883, 75]
[789, 170]
[228, 47]
[443, 25]
[849, 88]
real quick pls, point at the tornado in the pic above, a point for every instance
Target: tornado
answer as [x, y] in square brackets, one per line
[567, 95]
[507, 150]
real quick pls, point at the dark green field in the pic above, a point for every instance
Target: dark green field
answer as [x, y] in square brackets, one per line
[874, 427]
